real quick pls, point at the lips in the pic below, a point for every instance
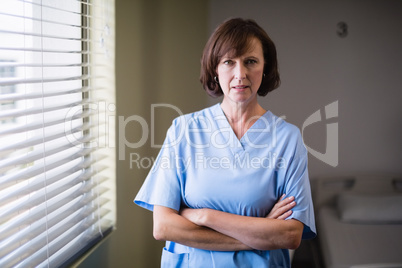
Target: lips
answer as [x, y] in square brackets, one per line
[240, 87]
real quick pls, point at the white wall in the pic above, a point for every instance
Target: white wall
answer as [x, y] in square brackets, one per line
[362, 71]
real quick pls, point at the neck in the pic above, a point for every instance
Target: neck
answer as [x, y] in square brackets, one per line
[242, 116]
[242, 112]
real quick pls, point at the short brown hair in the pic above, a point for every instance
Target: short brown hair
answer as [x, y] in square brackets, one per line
[234, 36]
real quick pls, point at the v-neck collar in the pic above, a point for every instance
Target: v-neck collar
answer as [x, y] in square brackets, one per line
[228, 138]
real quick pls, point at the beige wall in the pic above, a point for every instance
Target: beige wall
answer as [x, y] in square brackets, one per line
[159, 44]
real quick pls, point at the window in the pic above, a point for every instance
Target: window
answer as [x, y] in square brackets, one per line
[57, 153]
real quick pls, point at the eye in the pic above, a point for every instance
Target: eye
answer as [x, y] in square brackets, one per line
[227, 62]
[251, 61]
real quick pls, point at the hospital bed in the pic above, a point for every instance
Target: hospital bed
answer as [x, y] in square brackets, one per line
[359, 221]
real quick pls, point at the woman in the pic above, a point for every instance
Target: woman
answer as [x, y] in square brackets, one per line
[218, 186]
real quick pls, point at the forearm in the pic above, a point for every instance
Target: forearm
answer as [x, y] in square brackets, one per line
[170, 226]
[257, 233]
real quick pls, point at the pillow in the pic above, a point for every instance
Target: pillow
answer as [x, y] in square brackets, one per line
[371, 209]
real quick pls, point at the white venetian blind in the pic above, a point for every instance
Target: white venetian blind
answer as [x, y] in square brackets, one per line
[57, 156]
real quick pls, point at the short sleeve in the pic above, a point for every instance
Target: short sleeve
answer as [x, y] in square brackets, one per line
[298, 185]
[162, 185]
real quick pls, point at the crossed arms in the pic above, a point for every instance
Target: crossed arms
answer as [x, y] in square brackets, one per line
[220, 231]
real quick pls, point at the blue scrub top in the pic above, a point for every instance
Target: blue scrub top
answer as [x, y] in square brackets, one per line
[202, 164]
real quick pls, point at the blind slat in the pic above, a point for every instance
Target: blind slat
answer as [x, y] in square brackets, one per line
[36, 110]
[37, 198]
[51, 22]
[33, 34]
[38, 256]
[36, 95]
[38, 182]
[55, 7]
[82, 229]
[38, 125]
[22, 49]
[44, 65]
[38, 168]
[18, 229]
[13, 81]
[26, 233]
[39, 140]
[39, 154]
[86, 16]
[43, 20]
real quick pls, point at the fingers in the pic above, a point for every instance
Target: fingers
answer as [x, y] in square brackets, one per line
[286, 200]
[285, 204]
[285, 215]
[282, 208]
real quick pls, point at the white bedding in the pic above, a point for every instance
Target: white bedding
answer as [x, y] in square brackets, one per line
[358, 245]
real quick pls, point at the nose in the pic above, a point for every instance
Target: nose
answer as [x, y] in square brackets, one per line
[240, 72]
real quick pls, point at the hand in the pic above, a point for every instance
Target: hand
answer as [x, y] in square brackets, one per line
[282, 208]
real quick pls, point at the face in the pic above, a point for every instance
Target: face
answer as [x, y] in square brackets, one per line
[240, 78]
